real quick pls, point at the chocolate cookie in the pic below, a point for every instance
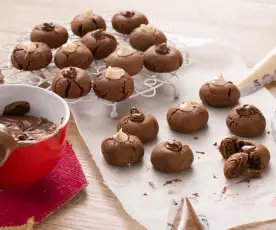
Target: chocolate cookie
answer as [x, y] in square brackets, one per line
[126, 58]
[219, 93]
[52, 34]
[125, 22]
[113, 84]
[73, 54]
[187, 117]
[146, 36]
[86, 22]
[235, 165]
[100, 43]
[143, 126]
[229, 146]
[71, 82]
[163, 58]
[122, 149]
[172, 157]
[30, 56]
[246, 121]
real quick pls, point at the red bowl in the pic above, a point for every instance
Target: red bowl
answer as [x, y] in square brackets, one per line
[28, 164]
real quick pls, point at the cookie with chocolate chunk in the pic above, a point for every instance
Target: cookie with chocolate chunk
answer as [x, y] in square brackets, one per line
[172, 157]
[30, 56]
[187, 117]
[125, 22]
[86, 22]
[113, 84]
[71, 82]
[52, 34]
[219, 93]
[163, 58]
[246, 121]
[144, 126]
[100, 43]
[73, 54]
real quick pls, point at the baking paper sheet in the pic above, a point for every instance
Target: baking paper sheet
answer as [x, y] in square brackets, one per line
[239, 204]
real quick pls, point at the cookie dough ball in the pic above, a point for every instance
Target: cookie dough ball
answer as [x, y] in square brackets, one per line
[100, 43]
[146, 36]
[122, 149]
[52, 34]
[235, 165]
[246, 121]
[125, 22]
[143, 126]
[73, 54]
[126, 58]
[86, 22]
[229, 146]
[71, 82]
[172, 157]
[30, 56]
[113, 84]
[163, 59]
[187, 117]
[219, 93]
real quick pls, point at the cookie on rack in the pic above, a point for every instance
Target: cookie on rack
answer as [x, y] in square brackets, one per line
[144, 126]
[122, 149]
[246, 121]
[126, 21]
[100, 43]
[219, 93]
[114, 84]
[163, 58]
[146, 36]
[52, 34]
[30, 56]
[73, 54]
[187, 117]
[86, 22]
[172, 157]
[127, 58]
[71, 82]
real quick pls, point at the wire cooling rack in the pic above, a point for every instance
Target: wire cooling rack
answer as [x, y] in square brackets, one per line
[145, 83]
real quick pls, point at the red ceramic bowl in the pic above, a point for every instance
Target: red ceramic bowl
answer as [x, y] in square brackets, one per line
[28, 164]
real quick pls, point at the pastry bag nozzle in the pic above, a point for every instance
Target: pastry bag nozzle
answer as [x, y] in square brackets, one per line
[7, 144]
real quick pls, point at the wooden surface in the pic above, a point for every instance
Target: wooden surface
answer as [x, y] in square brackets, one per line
[248, 26]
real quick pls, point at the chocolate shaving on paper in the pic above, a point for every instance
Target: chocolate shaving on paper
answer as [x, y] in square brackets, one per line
[200, 152]
[171, 181]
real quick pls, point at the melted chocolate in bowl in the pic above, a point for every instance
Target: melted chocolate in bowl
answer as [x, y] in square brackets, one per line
[27, 128]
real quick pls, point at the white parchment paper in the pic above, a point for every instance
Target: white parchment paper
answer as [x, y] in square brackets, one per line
[241, 203]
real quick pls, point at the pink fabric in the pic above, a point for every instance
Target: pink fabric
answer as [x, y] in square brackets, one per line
[44, 197]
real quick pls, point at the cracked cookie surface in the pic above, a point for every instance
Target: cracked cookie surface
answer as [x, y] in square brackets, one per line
[246, 121]
[172, 156]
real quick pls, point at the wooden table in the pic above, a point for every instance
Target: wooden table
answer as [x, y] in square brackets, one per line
[248, 26]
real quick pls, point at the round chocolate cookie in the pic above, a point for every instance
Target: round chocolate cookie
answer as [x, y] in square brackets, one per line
[246, 121]
[86, 22]
[71, 82]
[146, 36]
[122, 149]
[172, 157]
[100, 43]
[52, 34]
[187, 117]
[31, 56]
[219, 93]
[143, 126]
[126, 58]
[235, 165]
[125, 22]
[163, 58]
[73, 54]
[113, 84]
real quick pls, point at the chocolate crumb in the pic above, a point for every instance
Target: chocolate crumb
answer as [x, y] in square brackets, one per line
[195, 137]
[224, 189]
[214, 177]
[145, 194]
[195, 194]
[171, 181]
[170, 225]
[248, 186]
[200, 152]
[268, 132]
[215, 144]
[174, 202]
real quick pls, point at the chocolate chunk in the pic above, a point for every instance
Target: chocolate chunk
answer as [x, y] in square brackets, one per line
[17, 108]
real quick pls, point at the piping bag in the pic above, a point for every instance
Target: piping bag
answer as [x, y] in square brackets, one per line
[263, 73]
[182, 216]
